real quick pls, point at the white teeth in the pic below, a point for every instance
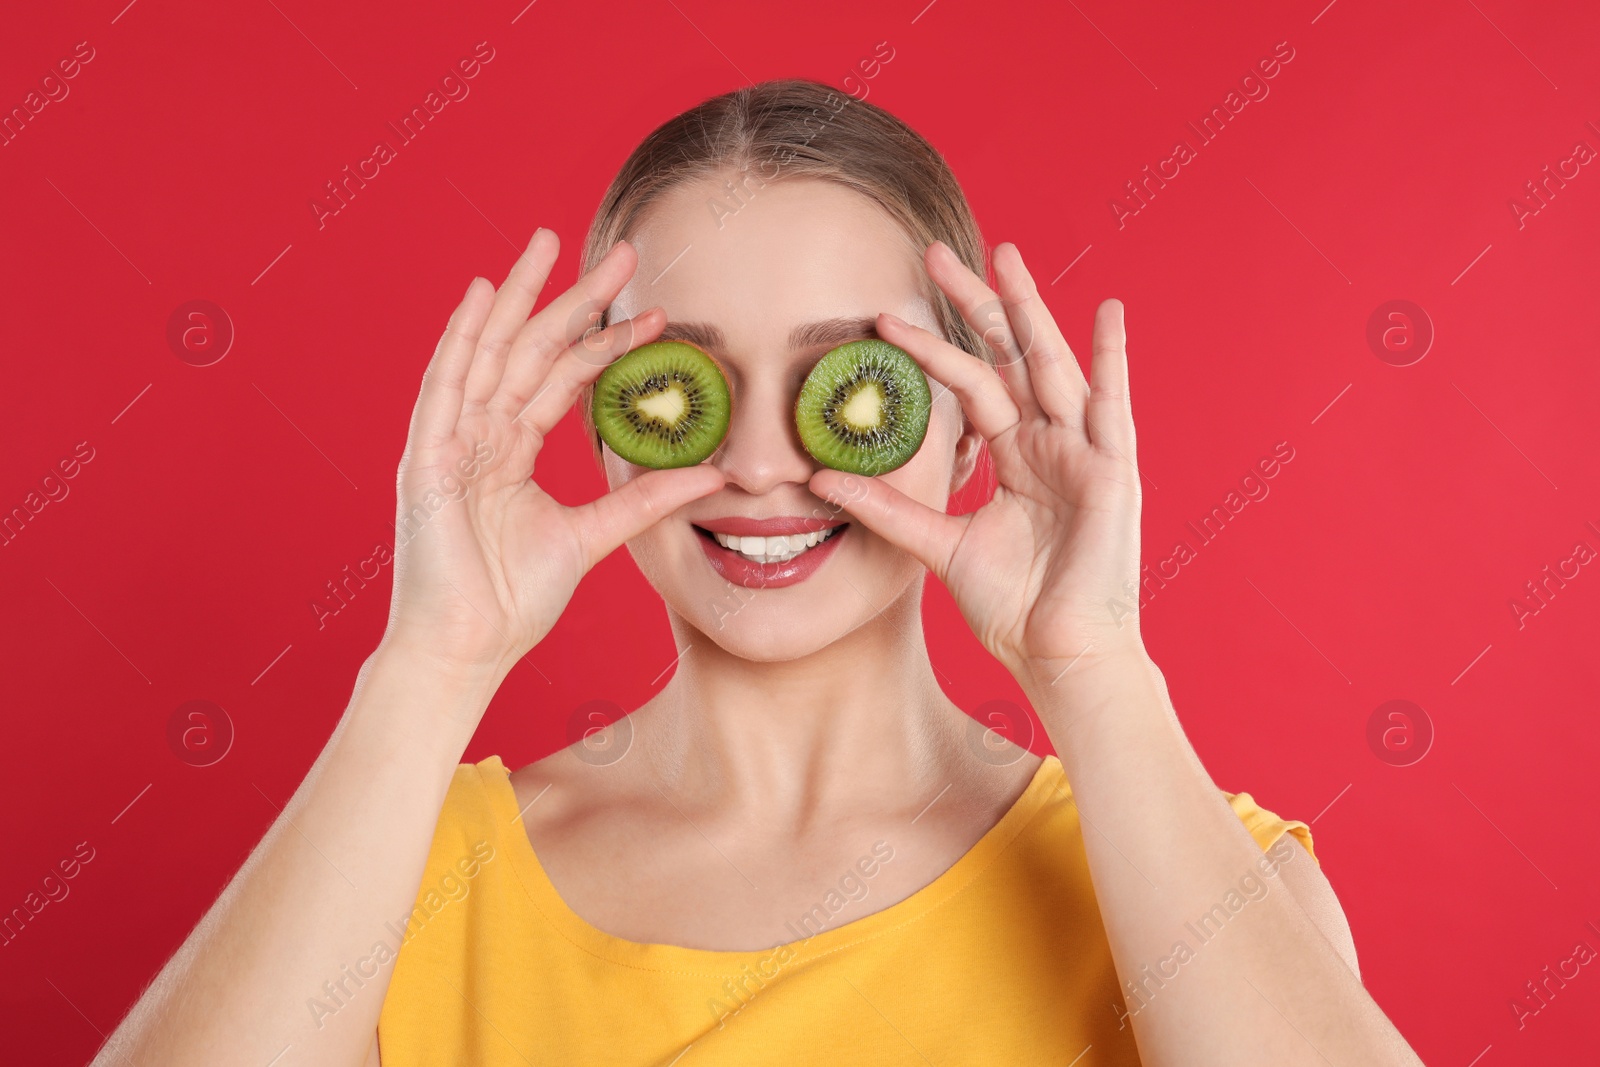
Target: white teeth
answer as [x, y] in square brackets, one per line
[779, 549]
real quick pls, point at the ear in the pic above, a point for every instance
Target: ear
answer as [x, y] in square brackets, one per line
[968, 445]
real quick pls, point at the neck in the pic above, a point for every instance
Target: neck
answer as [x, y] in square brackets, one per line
[856, 718]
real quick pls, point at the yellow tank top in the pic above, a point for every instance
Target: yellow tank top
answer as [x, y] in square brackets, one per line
[1001, 959]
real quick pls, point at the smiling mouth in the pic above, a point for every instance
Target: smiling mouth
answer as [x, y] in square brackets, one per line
[779, 549]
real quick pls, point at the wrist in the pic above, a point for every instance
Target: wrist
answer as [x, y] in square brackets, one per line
[417, 653]
[414, 698]
[1119, 682]
[1050, 677]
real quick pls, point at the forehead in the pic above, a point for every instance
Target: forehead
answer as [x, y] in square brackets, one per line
[794, 252]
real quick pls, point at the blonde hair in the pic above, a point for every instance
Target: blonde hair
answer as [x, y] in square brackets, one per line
[791, 129]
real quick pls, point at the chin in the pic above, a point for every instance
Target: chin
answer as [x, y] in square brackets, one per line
[780, 637]
[787, 623]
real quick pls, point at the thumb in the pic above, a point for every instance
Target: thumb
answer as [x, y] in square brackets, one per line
[930, 536]
[628, 511]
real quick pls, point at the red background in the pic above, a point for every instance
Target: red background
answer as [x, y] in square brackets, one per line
[1381, 566]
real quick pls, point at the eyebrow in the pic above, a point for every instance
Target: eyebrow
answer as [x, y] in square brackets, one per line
[826, 332]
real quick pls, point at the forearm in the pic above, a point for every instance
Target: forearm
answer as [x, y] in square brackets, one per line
[1258, 983]
[344, 858]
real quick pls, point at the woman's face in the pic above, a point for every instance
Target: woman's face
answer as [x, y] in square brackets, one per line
[767, 288]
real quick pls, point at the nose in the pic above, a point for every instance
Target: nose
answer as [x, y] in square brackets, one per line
[762, 449]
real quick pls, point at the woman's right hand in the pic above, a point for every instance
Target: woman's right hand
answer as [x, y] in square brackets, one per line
[486, 560]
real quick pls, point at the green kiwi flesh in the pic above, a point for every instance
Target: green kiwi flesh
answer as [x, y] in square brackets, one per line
[665, 404]
[864, 408]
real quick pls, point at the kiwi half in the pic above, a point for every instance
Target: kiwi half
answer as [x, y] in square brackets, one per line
[665, 404]
[863, 408]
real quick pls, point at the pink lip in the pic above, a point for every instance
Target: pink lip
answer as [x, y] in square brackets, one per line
[740, 571]
[780, 526]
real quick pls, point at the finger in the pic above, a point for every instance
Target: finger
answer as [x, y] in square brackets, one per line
[639, 504]
[1110, 405]
[930, 536]
[1057, 379]
[561, 322]
[581, 363]
[439, 402]
[1006, 338]
[511, 306]
[984, 397]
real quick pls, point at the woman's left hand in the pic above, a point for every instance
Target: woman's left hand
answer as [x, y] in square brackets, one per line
[1046, 573]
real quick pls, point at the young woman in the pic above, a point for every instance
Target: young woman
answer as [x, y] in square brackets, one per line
[799, 850]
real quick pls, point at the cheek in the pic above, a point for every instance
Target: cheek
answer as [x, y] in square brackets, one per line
[652, 552]
[618, 473]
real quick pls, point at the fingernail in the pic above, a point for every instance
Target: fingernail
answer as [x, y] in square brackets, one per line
[892, 318]
[470, 284]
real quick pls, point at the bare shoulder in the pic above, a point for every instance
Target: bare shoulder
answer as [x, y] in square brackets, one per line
[1314, 893]
[574, 784]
